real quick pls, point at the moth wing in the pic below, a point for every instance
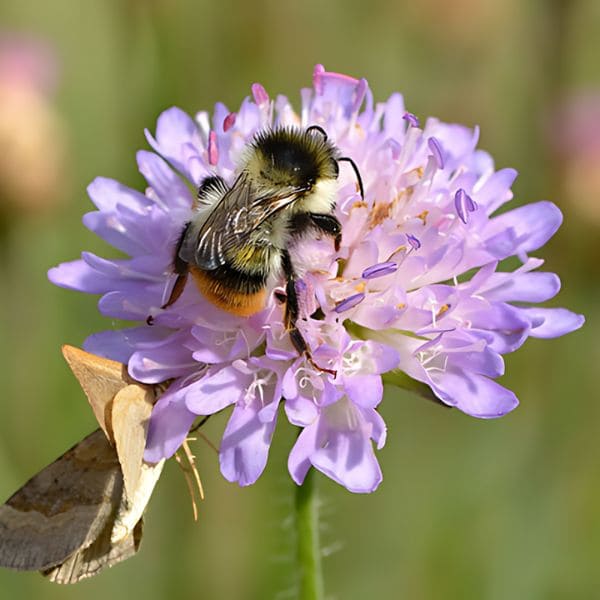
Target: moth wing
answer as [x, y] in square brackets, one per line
[76, 517]
[130, 416]
[64, 508]
[100, 379]
[103, 553]
[228, 227]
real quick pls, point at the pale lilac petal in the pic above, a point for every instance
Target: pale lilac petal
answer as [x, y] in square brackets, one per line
[77, 275]
[108, 195]
[170, 189]
[394, 121]
[299, 459]
[379, 316]
[169, 425]
[379, 428]
[336, 89]
[122, 305]
[301, 410]
[475, 395]
[364, 390]
[216, 391]
[245, 445]
[350, 460]
[496, 190]
[120, 344]
[522, 287]
[176, 133]
[529, 226]
[162, 361]
[552, 322]
[384, 357]
[114, 231]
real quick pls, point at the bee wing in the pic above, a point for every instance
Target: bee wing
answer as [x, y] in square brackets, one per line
[239, 212]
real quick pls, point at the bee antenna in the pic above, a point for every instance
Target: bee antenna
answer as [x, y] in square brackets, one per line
[319, 129]
[357, 172]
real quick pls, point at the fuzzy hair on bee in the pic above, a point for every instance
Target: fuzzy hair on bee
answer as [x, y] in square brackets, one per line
[238, 239]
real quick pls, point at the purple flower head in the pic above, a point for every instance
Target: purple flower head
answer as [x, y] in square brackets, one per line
[394, 295]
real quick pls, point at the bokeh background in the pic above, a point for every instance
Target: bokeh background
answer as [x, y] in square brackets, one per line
[489, 510]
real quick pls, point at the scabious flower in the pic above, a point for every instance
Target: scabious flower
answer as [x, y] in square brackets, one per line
[415, 286]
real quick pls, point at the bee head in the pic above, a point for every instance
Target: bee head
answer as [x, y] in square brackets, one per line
[290, 156]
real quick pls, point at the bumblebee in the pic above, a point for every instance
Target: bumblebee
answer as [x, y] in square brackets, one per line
[239, 237]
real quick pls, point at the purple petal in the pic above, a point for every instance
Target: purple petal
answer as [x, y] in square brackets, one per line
[301, 411]
[338, 90]
[169, 425]
[339, 445]
[496, 190]
[174, 130]
[164, 360]
[216, 391]
[376, 316]
[350, 460]
[169, 187]
[552, 322]
[299, 457]
[108, 195]
[528, 227]
[120, 344]
[475, 395]
[383, 357]
[112, 230]
[77, 275]
[521, 287]
[393, 118]
[364, 390]
[122, 305]
[245, 445]
[379, 428]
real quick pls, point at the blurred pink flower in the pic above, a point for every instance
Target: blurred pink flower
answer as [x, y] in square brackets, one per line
[575, 135]
[32, 136]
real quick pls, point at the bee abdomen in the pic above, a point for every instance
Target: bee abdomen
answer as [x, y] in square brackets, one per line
[232, 290]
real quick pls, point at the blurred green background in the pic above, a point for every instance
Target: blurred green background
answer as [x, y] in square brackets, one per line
[493, 510]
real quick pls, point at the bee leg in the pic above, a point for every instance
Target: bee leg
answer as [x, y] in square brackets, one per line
[177, 290]
[330, 225]
[180, 267]
[292, 312]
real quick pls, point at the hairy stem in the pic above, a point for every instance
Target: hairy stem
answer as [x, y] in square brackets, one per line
[308, 550]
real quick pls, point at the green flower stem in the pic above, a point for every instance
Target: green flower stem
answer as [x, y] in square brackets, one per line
[309, 549]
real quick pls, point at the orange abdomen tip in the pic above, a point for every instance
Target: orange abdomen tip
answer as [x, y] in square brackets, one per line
[227, 299]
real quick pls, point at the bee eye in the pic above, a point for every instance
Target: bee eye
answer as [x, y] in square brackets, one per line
[336, 167]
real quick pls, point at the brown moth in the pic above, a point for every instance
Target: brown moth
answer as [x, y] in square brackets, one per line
[83, 512]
